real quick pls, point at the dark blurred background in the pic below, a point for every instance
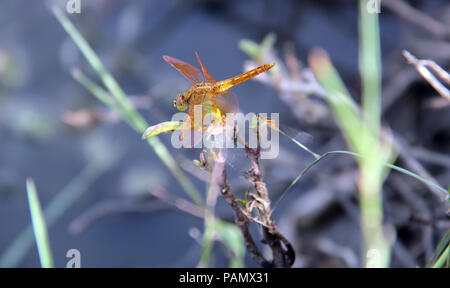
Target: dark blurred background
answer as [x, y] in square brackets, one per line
[114, 223]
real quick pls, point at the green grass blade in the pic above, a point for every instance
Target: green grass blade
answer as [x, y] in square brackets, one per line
[57, 206]
[444, 259]
[362, 133]
[39, 226]
[356, 155]
[154, 142]
[417, 177]
[370, 67]
[345, 110]
[299, 144]
[441, 254]
[207, 243]
[318, 157]
[102, 95]
[232, 237]
[376, 152]
[106, 77]
[304, 171]
[122, 104]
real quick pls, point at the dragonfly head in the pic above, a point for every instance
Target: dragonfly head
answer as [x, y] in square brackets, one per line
[180, 102]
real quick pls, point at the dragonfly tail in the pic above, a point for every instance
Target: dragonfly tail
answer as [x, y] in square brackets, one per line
[228, 83]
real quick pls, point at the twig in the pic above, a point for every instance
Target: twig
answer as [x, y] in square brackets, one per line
[327, 246]
[292, 63]
[272, 237]
[419, 207]
[403, 255]
[121, 103]
[188, 166]
[417, 17]
[109, 207]
[241, 219]
[407, 156]
[180, 203]
[431, 157]
[396, 86]
[421, 67]
[435, 223]
[307, 86]
[295, 87]
[86, 117]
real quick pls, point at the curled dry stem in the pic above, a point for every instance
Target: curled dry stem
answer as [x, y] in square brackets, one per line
[283, 255]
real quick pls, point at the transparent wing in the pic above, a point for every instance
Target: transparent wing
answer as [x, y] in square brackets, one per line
[208, 76]
[204, 105]
[190, 72]
[227, 102]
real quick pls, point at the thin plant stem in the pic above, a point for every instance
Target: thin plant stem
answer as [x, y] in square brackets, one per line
[389, 165]
[39, 226]
[440, 262]
[57, 206]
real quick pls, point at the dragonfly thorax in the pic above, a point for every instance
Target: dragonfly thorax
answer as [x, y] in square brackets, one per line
[194, 92]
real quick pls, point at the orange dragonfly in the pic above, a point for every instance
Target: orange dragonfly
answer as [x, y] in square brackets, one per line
[212, 95]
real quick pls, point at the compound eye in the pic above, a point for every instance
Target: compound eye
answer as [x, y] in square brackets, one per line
[180, 106]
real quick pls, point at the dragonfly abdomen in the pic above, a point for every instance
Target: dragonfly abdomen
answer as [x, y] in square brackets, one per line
[224, 85]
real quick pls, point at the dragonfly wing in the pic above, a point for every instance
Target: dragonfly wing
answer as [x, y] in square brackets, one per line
[190, 72]
[200, 107]
[191, 134]
[227, 102]
[208, 76]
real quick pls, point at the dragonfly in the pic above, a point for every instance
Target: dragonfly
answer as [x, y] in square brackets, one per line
[214, 96]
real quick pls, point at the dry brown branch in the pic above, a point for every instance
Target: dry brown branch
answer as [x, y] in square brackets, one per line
[396, 86]
[422, 67]
[431, 157]
[297, 88]
[417, 17]
[401, 146]
[418, 207]
[188, 166]
[180, 203]
[282, 251]
[241, 219]
[407, 156]
[306, 211]
[283, 254]
[110, 207]
[87, 117]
